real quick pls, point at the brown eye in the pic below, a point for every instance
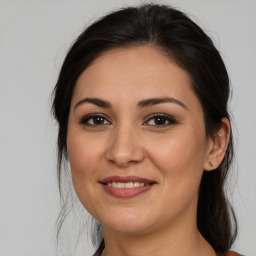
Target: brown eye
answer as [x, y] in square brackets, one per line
[160, 120]
[97, 120]
[94, 120]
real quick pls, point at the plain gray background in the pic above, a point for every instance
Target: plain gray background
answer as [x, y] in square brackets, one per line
[34, 37]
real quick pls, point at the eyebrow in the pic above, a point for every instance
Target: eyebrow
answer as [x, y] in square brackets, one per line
[155, 101]
[142, 104]
[95, 101]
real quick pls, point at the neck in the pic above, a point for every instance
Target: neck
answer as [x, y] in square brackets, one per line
[188, 242]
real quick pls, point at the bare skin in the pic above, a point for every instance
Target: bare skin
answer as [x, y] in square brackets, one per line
[189, 243]
[116, 129]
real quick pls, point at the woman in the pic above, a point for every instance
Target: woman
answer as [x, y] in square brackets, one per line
[141, 103]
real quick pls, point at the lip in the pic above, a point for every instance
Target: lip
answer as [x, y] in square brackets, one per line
[126, 192]
[126, 179]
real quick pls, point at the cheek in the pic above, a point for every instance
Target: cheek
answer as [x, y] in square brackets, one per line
[84, 154]
[180, 165]
[180, 158]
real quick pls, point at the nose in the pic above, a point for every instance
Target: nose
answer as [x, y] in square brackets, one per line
[125, 148]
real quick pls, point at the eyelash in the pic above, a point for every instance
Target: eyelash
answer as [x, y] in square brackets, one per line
[166, 118]
[85, 119]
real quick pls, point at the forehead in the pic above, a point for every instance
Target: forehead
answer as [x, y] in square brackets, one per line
[134, 73]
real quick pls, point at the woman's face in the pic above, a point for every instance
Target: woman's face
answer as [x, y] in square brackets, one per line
[136, 141]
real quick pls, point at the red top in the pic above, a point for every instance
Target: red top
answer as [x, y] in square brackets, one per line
[232, 254]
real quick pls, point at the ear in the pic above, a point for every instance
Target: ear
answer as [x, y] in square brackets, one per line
[217, 146]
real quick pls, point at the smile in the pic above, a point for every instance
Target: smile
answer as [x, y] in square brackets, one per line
[127, 184]
[126, 187]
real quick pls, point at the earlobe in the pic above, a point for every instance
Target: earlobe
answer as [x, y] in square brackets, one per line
[217, 146]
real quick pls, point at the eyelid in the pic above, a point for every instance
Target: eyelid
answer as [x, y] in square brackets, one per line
[171, 120]
[84, 119]
[168, 117]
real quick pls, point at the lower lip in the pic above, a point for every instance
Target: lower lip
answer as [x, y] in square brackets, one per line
[126, 192]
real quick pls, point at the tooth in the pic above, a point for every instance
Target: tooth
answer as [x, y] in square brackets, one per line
[131, 184]
[128, 185]
[136, 184]
[120, 185]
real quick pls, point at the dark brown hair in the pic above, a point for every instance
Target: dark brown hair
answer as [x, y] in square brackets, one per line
[185, 42]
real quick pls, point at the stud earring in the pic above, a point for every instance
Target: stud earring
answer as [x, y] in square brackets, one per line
[210, 164]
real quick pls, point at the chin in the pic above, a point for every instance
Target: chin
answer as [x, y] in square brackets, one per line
[127, 227]
[128, 222]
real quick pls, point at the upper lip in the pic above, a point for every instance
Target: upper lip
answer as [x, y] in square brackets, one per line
[125, 179]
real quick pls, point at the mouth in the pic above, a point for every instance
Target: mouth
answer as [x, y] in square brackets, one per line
[126, 184]
[126, 187]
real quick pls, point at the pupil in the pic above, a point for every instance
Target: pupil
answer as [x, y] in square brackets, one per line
[160, 121]
[98, 120]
